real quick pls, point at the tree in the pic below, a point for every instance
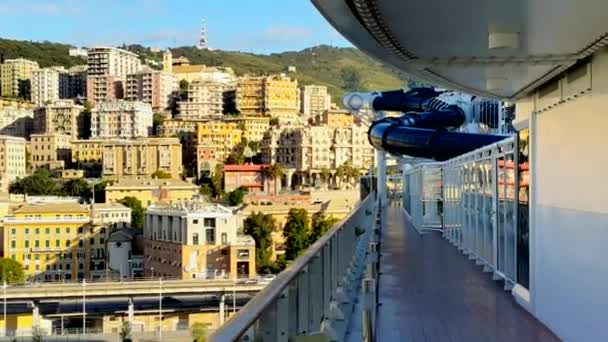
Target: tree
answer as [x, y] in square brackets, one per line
[296, 232]
[157, 121]
[11, 271]
[39, 183]
[183, 85]
[260, 227]
[199, 332]
[160, 174]
[325, 174]
[254, 145]
[236, 196]
[274, 122]
[217, 180]
[100, 192]
[137, 211]
[320, 226]
[78, 187]
[206, 190]
[274, 172]
[351, 79]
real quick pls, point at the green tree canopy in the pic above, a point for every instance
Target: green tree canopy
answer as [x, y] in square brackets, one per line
[157, 120]
[320, 226]
[351, 79]
[260, 226]
[39, 183]
[160, 174]
[325, 174]
[183, 85]
[137, 211]
[100, 192]
[296, 232]
[11, 271]
[236, 196]
[274, 172]
[78, 187]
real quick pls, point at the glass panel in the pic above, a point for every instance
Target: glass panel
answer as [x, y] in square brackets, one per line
[500, 231]
[488, 213]
[510, 229]
[523, 247]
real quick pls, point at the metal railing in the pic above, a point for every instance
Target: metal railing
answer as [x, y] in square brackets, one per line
[315, 293]
[423, 197]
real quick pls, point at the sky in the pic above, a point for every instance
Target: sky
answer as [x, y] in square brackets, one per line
[259, 26]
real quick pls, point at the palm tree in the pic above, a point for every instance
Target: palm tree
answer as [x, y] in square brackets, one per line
[275, 171]
[340, 172]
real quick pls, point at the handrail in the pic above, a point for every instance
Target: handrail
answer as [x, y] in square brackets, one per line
[247, 316]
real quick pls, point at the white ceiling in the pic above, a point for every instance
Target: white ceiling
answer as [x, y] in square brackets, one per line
[449, 39]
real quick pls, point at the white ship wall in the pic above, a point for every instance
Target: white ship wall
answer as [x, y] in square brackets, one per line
[569, 215]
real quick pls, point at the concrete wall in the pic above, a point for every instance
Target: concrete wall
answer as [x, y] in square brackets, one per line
[569, 210]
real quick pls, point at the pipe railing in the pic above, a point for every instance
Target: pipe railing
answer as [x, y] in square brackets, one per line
[315, 293]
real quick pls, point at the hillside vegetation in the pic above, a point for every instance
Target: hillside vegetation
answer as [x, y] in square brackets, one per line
[340, 69]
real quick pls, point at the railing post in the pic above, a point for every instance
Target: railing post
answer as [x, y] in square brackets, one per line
[304, 302]
[316, 296]
[282, 317]
[368, 288]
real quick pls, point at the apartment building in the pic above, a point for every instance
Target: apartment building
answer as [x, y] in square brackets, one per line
[335, 118]
[121, 119]
[73, 82]
[317, 147]
[267, 96]
[150, 191]
[50, 240]
[112, 61]
[314, 100]
[196, 239]
[142, 157]
[88, 152]
[207, 99]
[215, 141]
[185, 131]
[181, 67]
[16, 117]
[61, 116]
[253, 127]
[12, 158]
[50, 150]
[16, 78]
[106, 218]
[151, 86]
[45, 85]
[101, 88]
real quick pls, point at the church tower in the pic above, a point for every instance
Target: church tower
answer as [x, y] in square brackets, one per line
[167, 61]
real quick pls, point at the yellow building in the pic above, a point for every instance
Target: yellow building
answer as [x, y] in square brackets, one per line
[50, 150]
[181, 67]
[253, 127]
[216, 140]
[16, 77]
[142, 157]
[16, 104]
[150, 191]
[87, 152]
[196, 239]
[50, 240]
[335, 118]
[268, 95]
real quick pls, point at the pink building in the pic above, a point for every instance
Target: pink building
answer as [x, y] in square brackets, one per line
[252, 177]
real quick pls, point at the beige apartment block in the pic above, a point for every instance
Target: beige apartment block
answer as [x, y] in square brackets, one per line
[12, 157]
[121, 119]
[112, 61]
[207, 99]
[50, 150]
[314, 100]
[253, 127]
[16, 78]
[335, 118]
[102, 88]
[88, 152]
[196, 239]
[267, 95]
[151, 86]
[142, 157]
[63, 116]
[150, 191]
[45, 85]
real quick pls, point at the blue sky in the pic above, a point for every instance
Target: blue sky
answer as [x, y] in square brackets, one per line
[261, 26]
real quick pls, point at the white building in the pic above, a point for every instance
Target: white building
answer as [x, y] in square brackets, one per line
[112, 61]
[12, 157]
[16, 121]
[121, 119]
[78, 52]
[125, 253]
[314, 100]
[45, 85]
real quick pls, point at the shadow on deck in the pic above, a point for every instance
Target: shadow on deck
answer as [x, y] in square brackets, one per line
[429, 291]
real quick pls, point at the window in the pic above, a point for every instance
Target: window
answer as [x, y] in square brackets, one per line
[80, 243]
[224, 239]
[36, 256]
[195, 221]
[67, 230]
[67, 266]
[37, 243]
[47, 230]
[13, 244]
[209, 222]
[80, 230]
[81, 266]
[92, 241]
[243, 253]
[13, 231]
[47, 243]
[67, 243]
[37, 230]
[57, 243]
[194, 239]
[102, 241]
[57, 230]
[27, 230]
[210, 236]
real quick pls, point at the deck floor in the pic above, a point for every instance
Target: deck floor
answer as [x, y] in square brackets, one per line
[429, 291]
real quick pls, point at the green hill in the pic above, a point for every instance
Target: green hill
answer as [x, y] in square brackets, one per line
[340, 69]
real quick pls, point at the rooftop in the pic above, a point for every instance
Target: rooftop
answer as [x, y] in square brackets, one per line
[191, 207]
[248, 167]
[39, 208]
[150, 182]
[109, 206]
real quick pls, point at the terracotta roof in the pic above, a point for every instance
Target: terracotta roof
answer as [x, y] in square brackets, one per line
[184, 69]
[250, 167]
